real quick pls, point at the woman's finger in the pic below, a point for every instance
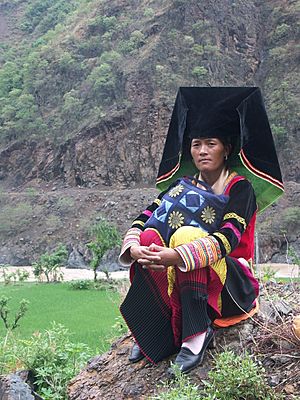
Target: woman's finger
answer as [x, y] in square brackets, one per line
[154, 267]
[149, 260]
[155, 247]
[150, 253]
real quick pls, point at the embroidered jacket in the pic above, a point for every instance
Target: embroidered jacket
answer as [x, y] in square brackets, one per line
[235, 237]
[186, 204]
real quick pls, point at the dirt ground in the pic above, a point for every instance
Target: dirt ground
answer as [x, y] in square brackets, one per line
[70, 274]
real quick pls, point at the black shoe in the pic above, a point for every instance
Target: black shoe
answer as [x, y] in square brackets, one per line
[186, 360]
[136, 354]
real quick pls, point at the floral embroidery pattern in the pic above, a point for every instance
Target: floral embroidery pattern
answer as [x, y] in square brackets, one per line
[176, 191]
[175, 220]
[208, 215]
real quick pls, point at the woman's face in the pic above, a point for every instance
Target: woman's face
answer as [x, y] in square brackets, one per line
[208, 154]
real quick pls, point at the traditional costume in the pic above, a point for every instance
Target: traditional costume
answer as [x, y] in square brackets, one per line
[212, 232]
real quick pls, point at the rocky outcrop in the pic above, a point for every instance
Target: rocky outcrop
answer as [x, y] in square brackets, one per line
[111, 376]
[12, 387]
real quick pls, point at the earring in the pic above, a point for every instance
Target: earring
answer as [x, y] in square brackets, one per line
[226, 157]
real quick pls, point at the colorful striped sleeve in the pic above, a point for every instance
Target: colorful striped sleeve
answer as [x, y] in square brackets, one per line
[237, 214]
[132, 237]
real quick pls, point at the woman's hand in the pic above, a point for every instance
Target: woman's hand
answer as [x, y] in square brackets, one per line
[159, 258]
[139, 252]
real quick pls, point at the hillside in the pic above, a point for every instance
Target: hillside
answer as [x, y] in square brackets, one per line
[86, 92]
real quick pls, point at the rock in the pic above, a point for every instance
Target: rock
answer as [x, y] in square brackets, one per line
[12, 387]
[76, 260]
[282, 307]
[112, 376]
[109, 261]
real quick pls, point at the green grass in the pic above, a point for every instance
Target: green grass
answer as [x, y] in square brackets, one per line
[287, 280]
[88, 314]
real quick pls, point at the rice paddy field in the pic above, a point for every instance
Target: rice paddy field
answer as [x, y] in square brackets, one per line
[89, 315]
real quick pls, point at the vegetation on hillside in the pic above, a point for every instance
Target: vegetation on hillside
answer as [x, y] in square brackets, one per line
[73, 64]
[282, 80]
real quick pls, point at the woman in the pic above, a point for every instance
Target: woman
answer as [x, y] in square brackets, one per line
[191, 250]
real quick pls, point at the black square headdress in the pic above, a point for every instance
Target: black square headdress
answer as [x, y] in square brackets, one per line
[237, 113]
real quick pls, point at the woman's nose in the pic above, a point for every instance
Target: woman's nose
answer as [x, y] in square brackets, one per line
[203, 150]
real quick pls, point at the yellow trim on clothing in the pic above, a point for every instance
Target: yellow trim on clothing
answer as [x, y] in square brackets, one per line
[137, 221]
[237, 217]
[220, 268]
[224, 241]
[171, 274]
[220, 303]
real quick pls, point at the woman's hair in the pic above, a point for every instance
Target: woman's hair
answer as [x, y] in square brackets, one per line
[230, 142]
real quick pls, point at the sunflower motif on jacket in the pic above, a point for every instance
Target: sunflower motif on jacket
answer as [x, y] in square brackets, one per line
[175, 191]
[208, 215]
[175, 220]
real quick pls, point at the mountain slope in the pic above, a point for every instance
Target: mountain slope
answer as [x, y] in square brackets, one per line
[87, 88]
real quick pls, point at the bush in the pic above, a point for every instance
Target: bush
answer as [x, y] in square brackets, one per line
[235, 377]
[105, 237]
[232, 377]
[50, 265]
[20, 275]
[149, 12]
[51, 357]
[5, 311]
[81, 285]
[180, 388]
[199, 72]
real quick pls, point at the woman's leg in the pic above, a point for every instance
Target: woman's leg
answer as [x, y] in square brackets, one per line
[189, 296]
[146, 308]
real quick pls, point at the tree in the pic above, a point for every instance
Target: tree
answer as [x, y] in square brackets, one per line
[50, 264]
[105, 237]
[103, 82]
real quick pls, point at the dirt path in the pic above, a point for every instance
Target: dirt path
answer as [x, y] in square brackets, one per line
[70, 274]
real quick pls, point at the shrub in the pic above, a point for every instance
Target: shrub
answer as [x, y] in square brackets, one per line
[5, 311]
[81, 285]
[50, 265]
[149, 12]
[235, 377]
[281, 32]
[291, 218]
[20, 275]
[199, 72]
[178, 389]
[51, 357]
[232, 377]
[105, 237]
[103, 82]
[198, 49]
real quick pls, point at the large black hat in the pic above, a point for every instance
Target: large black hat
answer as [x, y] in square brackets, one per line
[235, 113]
